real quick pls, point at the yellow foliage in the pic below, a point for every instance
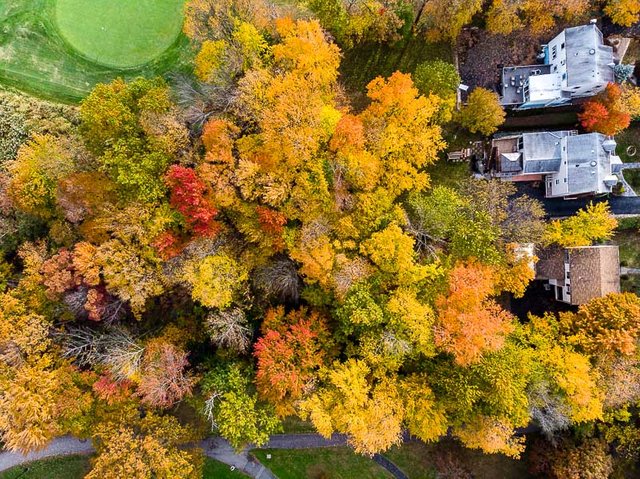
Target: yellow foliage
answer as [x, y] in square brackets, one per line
[210, 59]
[424, 417]
[623, 12]
[414, 318]
[595, 223]
[370, 415]
[317, 258]
[392, 251]
[573, 374]
[216, 280]
[491, 435]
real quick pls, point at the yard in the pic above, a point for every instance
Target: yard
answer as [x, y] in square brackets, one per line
[58, 49]
[422, 461]
[628, 141]
[363, 63]
[76, 467]
[323, 463]
[627, 237]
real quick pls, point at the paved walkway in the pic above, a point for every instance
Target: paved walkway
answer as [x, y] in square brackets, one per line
[61, 446]
[214, 447]
[629, 271]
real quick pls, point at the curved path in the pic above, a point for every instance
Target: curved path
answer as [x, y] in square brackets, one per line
[214, 447]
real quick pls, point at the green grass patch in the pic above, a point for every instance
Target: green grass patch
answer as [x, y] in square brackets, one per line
[76, 467]
[627, 237]
[322, 463]
[414, 459]
[447, 173]
[295, 425]
[363, 63]
[418, 461]
[119, 33]
[36, 58]
[217, 470]
[67, 467]
[630, 138]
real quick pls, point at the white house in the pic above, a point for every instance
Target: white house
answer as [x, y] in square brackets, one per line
[577, 63]
[569, 164]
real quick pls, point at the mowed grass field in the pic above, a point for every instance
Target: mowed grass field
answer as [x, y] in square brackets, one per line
[76, 467]
[119, 33]
[60, 49]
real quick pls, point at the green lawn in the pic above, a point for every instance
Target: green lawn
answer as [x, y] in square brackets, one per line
[36, 58]
[630, 137]
[217, 470]
[418, 461]
[76, 467]
[323, 463]
[119, 33]
[68, 467]
[363, 63]
[627, 237]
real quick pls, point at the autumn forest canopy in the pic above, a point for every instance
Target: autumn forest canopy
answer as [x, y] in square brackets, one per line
[215, 252]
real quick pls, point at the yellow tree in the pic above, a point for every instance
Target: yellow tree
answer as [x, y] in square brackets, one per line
[483, 112]
[594, 223]
[35, 173]
[216, 280]
[402, 131]
[147, 448]
[623, 12]
[370, 414]
[36, 399]
[605, 326]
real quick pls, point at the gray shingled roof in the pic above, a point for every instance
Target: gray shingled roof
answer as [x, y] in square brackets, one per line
[542, 146]
[582, 152]
[587, 58]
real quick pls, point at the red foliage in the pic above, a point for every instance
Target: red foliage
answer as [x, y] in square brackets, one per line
[110, 390]
[188, 197]
[289, 354]
[168, 245]
[272, 222]
[603, 114]
[164, 381]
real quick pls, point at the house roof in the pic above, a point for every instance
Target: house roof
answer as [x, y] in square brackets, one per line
[550, 263]
[588, 59]
[588, 163]
[595, 272]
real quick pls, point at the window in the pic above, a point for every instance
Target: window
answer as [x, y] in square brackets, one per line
[562, 46]
[555, 68]
[554, 52]
[557, 182]
[568, 274]
[565, 180]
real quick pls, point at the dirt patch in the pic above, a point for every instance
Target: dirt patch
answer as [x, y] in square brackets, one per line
[482, 55]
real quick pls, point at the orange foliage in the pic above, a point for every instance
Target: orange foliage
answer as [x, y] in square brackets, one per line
[469, 323]
[604, 113]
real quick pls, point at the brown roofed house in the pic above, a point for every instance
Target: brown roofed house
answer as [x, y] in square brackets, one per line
[580, 274]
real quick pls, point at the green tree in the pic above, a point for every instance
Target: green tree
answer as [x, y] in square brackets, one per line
[483, 112]
[437, 77]
[233, 408]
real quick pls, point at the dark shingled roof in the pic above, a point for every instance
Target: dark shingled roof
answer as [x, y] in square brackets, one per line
[550, 263]
[595, 272]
